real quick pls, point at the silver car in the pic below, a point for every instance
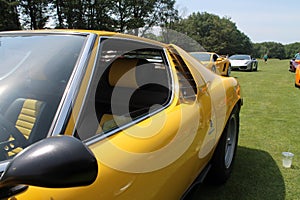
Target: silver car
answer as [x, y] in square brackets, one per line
[243, 62]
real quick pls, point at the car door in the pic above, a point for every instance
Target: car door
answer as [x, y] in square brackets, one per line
[156, 155]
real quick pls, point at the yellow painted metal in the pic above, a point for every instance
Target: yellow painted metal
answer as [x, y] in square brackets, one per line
[159, 157]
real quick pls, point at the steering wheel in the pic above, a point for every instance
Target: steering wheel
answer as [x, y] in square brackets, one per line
[10, 138]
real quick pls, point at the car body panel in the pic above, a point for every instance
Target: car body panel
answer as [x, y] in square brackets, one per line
[160, 155]
[293, 65]
[297, 77]
[218, 64]
[243, 62]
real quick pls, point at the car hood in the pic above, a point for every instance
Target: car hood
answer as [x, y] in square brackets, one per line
[296, 61]
[239, 62]
[206, 63]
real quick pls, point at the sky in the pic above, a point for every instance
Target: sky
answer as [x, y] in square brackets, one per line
[260, 20]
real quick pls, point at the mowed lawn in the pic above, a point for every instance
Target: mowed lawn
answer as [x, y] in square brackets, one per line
[269, 125]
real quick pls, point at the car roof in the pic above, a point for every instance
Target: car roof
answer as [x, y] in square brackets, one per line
[98, 32]
[240, 55]
[203, 52]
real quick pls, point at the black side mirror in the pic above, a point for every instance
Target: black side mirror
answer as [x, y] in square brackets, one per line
[55, 162]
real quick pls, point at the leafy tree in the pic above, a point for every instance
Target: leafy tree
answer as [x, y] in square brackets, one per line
[34, 13]
[9, 17]
[292, 49]
[164, 15]
[70, 13]
[273, 49]
[82, 14]
[134, 14]
[99, 15]
[116, 15]
[113, 15]
[168, 15]
[214, 33]
[259, 50]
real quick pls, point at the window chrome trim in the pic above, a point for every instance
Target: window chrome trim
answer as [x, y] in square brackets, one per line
[66, 104]
[3, 166]
[166, 60]
[88, 85]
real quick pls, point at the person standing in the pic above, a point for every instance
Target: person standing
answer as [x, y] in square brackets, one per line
[297, 56]
[266, 58]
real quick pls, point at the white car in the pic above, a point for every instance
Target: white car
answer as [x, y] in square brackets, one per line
[243, 62]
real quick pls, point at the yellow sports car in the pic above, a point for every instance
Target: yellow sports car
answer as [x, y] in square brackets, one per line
[214, 62]
[101, 115]
[297, 77]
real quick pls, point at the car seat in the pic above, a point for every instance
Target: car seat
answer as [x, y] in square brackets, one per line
[133, 85]
[25, 115]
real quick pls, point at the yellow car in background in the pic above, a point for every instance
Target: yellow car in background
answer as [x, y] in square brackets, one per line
[102, 115]
[218, 64]
[297, 77]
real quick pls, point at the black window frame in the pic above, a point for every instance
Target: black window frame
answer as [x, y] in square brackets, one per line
[94, 78]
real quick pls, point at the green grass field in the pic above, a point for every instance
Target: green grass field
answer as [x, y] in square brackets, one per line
[269, 125]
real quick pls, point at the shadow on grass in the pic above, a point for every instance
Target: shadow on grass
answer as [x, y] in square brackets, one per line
[255, 176]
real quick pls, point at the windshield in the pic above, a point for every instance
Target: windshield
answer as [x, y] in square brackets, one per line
[201, 56]
[240, 57]
[34, 72]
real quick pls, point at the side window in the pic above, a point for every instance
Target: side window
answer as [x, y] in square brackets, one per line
[188, 87]
[215, 57]
[131, 80]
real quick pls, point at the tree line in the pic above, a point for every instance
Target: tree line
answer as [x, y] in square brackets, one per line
[110, 15]
[221, 35]
[276, 50]
[212, 32]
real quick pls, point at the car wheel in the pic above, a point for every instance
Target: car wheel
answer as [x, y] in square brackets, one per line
[214, 69]
[251, 67]
[223, 159]
[229, 70]
[256, 66]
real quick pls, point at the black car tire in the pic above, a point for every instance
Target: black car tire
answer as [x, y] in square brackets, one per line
[223, 158]
[251, 68]
[256, 66]
[228, 71]
[214, 69]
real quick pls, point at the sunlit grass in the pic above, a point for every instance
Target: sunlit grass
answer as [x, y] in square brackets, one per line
[269, 126]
